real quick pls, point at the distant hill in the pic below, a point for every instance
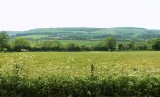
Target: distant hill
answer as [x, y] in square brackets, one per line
[13, 33]
[82, 33]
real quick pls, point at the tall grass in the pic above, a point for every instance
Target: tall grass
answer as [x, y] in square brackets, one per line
[122, 74]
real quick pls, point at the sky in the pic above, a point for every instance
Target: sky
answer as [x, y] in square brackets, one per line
[29, 14]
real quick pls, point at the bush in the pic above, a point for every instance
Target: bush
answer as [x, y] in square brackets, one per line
[156, 44]
[54, 86]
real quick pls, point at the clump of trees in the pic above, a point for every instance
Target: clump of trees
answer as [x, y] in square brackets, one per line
[20, 44]
[4, 41]
[48, 45]
[132, 46]
[108, 44]
[156, 44]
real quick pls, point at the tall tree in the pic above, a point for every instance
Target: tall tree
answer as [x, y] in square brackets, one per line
[71, 47]
[46, 45]
[56, 46]
[120, 46]
[130, 45]
[21, 43]
[156, 44]
[49, 45]
[110, 43]
[4, 38]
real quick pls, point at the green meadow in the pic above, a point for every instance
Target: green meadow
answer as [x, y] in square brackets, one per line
[69, 74]
[140, 63]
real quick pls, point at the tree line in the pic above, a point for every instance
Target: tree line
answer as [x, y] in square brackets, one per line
[108, 44]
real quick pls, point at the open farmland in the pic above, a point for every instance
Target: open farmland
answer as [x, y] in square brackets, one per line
[124, 73]
[78, 63]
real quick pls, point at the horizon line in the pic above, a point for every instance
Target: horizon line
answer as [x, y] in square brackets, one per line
[84, 27]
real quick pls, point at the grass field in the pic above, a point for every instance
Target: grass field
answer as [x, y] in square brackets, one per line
[88, 43]
[36, 36]
[78, 63]
[68, 74]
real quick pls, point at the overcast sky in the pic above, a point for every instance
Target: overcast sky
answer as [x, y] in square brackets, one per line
[30, 14]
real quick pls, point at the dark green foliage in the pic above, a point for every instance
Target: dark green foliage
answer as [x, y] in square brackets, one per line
[130, 45]
[56, 46]
[49, 45]
[110, 43]
[21, 43]
[71, 47]
[4, 38]
[120, 46]
[133, 46]
[84, 48]
[156, 44]
[142, 47]
[53, 86]
[99, 47]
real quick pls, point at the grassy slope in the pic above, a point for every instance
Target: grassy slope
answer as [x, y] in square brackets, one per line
[83, 36]
[130, 31]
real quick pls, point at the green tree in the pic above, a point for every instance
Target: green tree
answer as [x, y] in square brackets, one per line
[141, 46]
[130, 44]
[156, 44]
[84, 48]
[99, 47]
[21, 43]
[50, 45]
[56, 46]
[46, 45]
[120, 46]
[4, 38]
[71, 47]
[110, 43]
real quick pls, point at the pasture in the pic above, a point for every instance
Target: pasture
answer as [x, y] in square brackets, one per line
[78, 63]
